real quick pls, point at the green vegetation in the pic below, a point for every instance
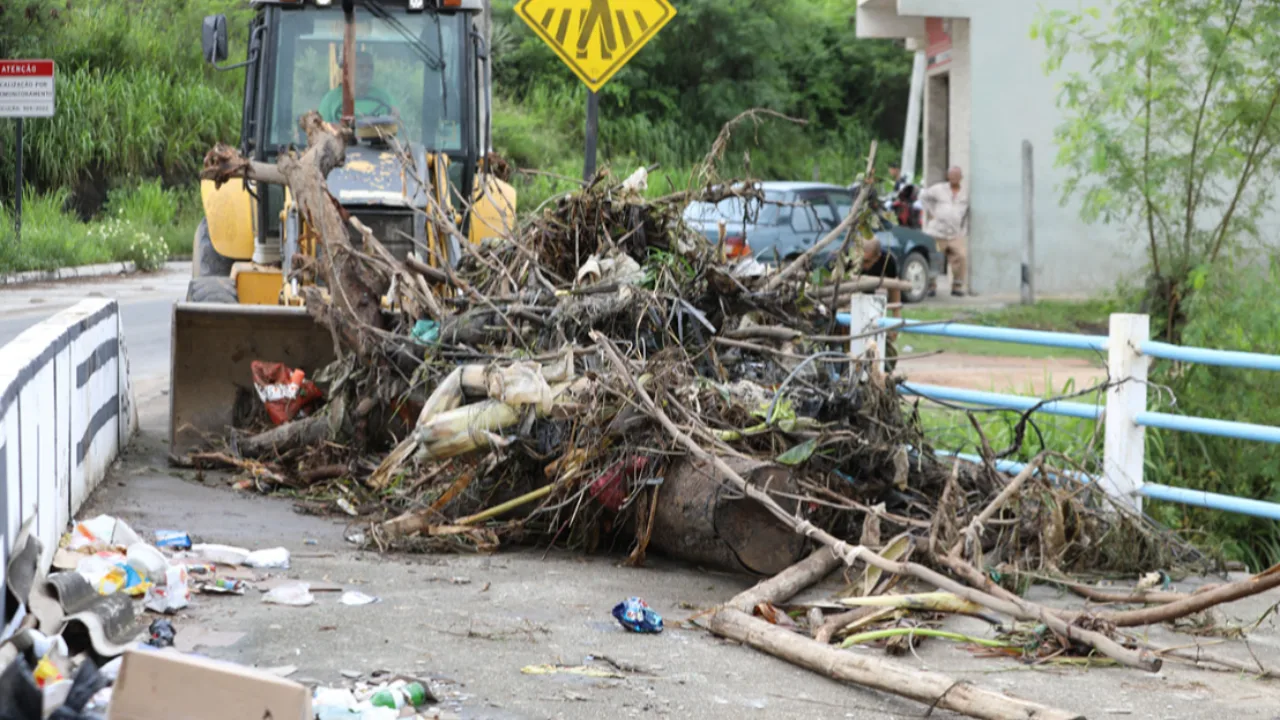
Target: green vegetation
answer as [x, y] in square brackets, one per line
[715, 60]
[1234, 311]
[1170, 130]
[136, 100]
[145, 224]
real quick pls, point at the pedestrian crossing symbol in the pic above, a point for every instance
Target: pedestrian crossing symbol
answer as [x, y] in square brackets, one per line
[595, 38]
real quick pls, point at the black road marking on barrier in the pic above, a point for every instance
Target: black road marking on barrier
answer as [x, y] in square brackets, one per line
[24, 374]
[109, 410]
[109, 349]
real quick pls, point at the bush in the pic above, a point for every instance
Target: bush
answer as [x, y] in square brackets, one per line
[1231, 311]
[52, 237]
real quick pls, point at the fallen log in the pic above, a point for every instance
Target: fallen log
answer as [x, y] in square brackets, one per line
[933, 689]
[296, 433]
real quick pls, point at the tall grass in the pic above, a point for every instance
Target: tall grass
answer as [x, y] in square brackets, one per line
[134, 96]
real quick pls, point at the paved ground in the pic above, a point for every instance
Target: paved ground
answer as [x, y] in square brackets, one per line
[471, 623]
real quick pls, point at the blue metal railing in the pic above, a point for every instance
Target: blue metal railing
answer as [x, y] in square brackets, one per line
[1198, 498]
[1000, 400]
[1165, 421]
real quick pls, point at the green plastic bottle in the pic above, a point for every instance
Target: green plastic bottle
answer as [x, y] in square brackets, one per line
[412, 694]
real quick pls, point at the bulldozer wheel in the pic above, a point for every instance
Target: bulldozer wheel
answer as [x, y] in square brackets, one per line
[212, 290]
[208, 263]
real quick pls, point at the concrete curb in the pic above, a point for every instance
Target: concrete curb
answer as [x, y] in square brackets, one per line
[80, 272]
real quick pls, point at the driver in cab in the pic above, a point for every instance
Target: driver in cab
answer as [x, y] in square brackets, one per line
[371, 101]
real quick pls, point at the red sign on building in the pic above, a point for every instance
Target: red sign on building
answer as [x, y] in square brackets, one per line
[26, 88]
[938, 36]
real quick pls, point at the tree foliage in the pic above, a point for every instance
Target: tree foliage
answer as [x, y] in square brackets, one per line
[1171, 126]
[716, 59]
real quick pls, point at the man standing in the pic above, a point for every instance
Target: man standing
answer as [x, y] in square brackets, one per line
[947, 206]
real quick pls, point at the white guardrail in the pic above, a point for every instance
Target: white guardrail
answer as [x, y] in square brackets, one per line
[1129, 351]
[66, 411]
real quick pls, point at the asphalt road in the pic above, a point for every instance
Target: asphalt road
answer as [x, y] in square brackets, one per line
[146, 302]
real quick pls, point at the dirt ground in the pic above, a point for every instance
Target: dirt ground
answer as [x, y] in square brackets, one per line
[1020, 375]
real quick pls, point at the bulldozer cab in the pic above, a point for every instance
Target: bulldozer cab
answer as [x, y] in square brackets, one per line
[421, 90]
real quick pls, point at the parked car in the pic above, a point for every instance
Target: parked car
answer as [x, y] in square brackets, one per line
[795, 215]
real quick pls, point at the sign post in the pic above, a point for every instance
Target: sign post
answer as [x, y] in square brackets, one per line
[26, 90]
[595, 38]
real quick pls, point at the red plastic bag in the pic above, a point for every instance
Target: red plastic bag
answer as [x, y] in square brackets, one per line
[285, 391]
[610, 488]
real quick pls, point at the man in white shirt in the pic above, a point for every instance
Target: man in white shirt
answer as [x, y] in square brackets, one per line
[947, 206]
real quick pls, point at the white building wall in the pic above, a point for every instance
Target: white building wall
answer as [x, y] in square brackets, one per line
[1000, 95]
[1012, 99]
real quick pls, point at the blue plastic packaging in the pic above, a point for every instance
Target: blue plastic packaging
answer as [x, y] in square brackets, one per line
[173, 540]
[635, 615]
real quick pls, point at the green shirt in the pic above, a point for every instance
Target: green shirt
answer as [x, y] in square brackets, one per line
[369, 102]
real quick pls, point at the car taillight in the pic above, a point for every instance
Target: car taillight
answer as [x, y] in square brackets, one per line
[736, 246]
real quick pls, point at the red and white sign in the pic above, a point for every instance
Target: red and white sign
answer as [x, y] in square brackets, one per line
[938, 37]
[26, 88]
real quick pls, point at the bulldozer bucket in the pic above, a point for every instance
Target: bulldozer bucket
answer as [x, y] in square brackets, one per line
[213, 345]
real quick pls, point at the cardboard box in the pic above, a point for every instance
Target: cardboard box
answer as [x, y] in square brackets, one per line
[167, 685]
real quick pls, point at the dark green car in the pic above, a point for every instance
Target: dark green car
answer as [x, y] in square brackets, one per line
[795, 215]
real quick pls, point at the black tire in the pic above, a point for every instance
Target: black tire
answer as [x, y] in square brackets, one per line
[205, 259]
[212, 290]
[915, 270]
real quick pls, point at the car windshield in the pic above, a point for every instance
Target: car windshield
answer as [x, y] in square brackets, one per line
[408, 66]
[736, 210]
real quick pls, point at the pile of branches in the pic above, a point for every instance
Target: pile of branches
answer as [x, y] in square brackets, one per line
[541, 387]
[596, 375]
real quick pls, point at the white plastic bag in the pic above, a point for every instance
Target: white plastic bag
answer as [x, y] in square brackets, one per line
[274, 558]
[295, 594]
[175, 595]
[221, 554]
[101, 533]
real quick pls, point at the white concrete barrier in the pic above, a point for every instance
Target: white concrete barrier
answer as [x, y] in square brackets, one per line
[66, 410]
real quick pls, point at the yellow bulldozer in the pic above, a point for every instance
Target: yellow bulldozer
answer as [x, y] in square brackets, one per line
[416, 93]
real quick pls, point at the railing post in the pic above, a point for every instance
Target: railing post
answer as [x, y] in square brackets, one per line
[864, 312]
[1125, 440]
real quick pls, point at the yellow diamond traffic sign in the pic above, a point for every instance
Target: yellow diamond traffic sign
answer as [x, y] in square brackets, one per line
[595, 38]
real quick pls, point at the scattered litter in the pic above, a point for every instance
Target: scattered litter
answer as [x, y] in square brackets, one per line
[174, 595]
[311, 541]
[149, 562]
[355, 537]
[274, 558]
[122, 578]
[295, 594]
[101, 533]
[161, 633]
[635, 615]
[351, 674]
[168, 685]
[584, 670]
[286, 392]
[173, 540]
[347, 507]
[460, 580]
[222, 586]
[355, 597]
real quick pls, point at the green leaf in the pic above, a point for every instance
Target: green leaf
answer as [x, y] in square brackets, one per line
[799, 453]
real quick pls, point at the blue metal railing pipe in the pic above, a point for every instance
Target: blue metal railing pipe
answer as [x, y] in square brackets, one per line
[1000, 400]
[995, 334]
[1205, 356]
[1198, 498]
[1213, 501]
[1205, 426]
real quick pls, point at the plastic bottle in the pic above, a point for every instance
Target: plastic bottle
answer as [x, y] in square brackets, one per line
[412, 694]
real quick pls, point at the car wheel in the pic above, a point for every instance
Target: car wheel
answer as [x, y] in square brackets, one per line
[915, 270]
